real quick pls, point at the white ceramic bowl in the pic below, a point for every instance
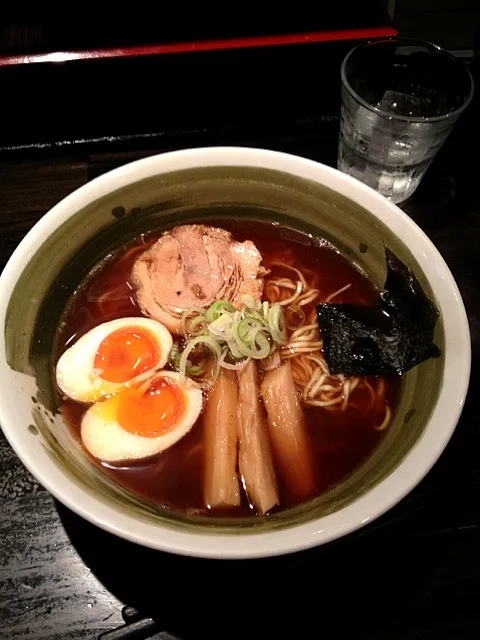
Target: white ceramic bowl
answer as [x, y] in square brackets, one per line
[48, 458]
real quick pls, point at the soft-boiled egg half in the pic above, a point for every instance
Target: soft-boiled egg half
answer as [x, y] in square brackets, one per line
[142, 421]
[111, 357]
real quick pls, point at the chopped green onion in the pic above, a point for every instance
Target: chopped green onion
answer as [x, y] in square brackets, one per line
[217, 308]
[258, 349]
[221, 328]
[191, 312]
[207, 341]
[197, 326]
[174, 351]
[276, 322]
[232, 345]
[234, 336]
[250, 302]
[245, 326]
[232, 366]
[190, 369]
[195, 369]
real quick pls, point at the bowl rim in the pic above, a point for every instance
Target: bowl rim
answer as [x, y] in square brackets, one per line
[366, 508]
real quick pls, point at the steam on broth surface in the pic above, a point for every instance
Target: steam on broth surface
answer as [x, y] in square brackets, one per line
[275, 428]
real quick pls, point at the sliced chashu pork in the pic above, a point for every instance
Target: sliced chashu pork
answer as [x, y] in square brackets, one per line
[194, 265]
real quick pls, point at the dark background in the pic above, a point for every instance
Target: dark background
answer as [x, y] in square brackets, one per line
[134, 102]
[413, 574]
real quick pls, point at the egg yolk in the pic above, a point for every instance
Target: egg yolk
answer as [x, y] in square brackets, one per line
[151, 412]
[126, 353]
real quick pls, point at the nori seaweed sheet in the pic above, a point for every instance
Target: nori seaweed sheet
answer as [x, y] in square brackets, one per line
[392, 336]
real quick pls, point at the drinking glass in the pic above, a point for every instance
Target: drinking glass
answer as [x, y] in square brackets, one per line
[400, 100]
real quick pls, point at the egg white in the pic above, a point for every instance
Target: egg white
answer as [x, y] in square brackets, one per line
[75, 371]
[106, 440]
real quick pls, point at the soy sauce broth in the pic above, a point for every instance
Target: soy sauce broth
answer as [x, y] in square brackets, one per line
[340, 440]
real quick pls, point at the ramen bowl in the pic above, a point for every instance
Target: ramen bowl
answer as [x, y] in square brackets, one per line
[169, 189]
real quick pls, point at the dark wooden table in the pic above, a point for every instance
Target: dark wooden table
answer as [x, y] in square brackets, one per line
[413, 574]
